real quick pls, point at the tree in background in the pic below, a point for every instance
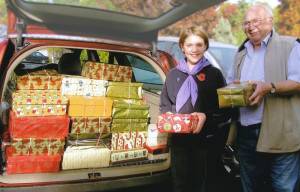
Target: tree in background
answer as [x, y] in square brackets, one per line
[289, 18]
[235, 15]
[3, 13]
[207, 19]
[222, 32]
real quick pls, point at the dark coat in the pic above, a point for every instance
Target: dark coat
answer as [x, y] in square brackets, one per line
[209, 79]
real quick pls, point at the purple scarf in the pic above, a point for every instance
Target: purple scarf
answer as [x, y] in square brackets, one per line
[189, 87]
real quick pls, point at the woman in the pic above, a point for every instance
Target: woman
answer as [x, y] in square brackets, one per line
[191, 88]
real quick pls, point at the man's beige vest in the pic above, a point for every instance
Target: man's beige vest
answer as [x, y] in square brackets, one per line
[280, 130]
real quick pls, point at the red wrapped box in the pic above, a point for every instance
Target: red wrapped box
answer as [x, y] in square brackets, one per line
[157, 149]
[38, 127]
[177, 123]
[32, 164]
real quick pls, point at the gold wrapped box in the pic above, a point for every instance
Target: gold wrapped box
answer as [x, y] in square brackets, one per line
[78, 85]
[130, 109]
[104, 71]
[43, 79]
[124, 90]
[79, 157]
[85, 106]
[91, 124]
[32, 146]
[39, 103]
[125, 125]
[235, 95]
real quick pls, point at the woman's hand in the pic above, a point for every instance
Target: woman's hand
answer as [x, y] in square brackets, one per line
[201, 121]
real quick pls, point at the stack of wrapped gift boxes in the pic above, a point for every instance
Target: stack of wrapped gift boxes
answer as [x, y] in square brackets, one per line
[106, 121]
[38, 124]
[90, 113]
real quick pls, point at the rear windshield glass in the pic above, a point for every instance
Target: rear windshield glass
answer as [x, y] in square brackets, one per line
[142, 8]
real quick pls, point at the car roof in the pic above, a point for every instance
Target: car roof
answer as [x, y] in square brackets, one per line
[84, 21]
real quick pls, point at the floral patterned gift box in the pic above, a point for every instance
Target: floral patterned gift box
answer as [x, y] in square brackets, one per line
[177, 123]
[43, 79]
[104, 71]
[39, 103]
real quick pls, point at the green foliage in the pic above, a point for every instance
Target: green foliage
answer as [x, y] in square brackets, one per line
[289, 18]
[223, 32]
[3, 13]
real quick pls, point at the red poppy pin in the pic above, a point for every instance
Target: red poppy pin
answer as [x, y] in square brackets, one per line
[201, 77]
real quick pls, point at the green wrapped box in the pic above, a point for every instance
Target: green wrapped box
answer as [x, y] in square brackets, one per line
[130, 109]
[235, 95]
[126, 125]
[125, 90]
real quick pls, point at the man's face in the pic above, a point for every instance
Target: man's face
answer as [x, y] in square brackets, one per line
[257, 24]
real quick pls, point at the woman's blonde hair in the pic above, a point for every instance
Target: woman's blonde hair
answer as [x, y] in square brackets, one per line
[193, 31]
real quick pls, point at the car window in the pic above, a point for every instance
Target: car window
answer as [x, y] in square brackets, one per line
[172, 48]
[145, 73]
[224, 56]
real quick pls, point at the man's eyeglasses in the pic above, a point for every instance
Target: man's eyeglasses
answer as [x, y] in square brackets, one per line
[253, 22]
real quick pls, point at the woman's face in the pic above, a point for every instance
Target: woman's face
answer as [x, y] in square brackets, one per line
[193, 48]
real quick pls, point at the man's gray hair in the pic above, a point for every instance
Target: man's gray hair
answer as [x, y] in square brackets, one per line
[266, 7]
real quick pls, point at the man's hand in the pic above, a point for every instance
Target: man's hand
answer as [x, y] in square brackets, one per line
[260, 91]
[202, 119]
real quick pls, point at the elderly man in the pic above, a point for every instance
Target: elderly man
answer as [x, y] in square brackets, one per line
[269, 130]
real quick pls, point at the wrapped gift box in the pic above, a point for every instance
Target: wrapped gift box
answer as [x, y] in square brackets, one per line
[83, 136]
[130, 109]
[160, 149]
[77, 85]
[125, 90]
[177, 123]
[78, 157]
[38, 127]
[128, 140]
[86, 106]
[126, 125]
[43, 79]
[128, 155]
[105, 141]
[39, 103]
[104, 71]
[37, 146]
[162, 156]
[91, 124]
[32, 164]
[235, 95]
[156, 138]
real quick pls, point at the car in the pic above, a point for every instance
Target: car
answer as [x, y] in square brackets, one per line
[36, 57]
[73, 35]
[221, 55]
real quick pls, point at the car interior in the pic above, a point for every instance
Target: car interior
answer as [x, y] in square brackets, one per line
[69, 61]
